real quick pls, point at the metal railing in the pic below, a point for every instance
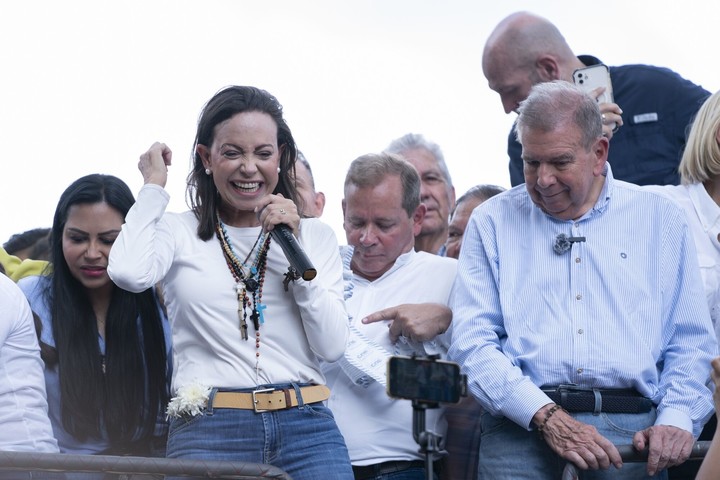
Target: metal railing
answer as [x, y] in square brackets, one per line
[630, 455]
[58, 462]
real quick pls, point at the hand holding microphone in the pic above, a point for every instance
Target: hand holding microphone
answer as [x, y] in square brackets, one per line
[285, 221]
[294, 253]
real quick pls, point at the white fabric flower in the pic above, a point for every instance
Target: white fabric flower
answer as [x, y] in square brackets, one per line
[191, 399]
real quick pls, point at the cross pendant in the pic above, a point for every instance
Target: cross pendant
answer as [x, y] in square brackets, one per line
[255, 317]
[241, 312]
[260, 308]
[243, 325]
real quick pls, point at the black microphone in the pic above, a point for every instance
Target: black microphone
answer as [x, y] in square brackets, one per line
[563, 243]
[299, 261]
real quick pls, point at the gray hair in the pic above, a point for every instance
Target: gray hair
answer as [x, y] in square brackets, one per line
[559, 103]
[480, 192]
[411, 141]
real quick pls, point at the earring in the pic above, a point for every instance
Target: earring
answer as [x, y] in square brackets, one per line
[207, 171]
[279, 170]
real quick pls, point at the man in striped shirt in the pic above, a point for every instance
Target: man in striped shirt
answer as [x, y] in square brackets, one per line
[578, 309]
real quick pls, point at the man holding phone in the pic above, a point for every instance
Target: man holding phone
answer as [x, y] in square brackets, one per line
[653, 105]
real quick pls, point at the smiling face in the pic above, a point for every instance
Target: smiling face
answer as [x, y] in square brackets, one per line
[561, 176]
[243, 161]
[378, 227]
[89, 233]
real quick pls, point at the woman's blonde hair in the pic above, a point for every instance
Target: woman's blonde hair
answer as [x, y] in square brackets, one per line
[701, 157]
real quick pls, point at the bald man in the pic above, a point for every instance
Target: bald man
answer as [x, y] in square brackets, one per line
[654, 105]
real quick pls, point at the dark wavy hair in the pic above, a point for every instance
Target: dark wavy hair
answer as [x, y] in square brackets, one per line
[225, 104]
[125, 400]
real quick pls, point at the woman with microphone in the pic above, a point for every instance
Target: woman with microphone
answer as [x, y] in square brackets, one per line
[248, 334]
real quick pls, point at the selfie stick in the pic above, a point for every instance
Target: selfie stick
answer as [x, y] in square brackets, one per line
[429, 441]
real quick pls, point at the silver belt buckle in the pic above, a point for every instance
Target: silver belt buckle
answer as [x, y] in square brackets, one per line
[254, 399]
[572, 387]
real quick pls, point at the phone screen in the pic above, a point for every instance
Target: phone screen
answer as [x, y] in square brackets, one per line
[424, 379]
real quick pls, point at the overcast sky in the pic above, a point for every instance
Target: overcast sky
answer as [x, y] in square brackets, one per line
[88, 85]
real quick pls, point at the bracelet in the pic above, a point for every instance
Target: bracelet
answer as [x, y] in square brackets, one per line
[549, 414]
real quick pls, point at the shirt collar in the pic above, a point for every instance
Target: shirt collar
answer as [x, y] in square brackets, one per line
[607, 190]
[402, 260]
[589, 60]
[707, 210]
[405, 258]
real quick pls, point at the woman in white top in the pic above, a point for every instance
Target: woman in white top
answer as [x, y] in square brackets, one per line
[247, 336]
[106, 350]
[23, 403]
[699, 195]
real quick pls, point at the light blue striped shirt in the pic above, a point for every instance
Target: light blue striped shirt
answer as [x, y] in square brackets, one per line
[624, 309]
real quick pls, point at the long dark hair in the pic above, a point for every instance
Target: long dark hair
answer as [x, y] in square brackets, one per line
[125, 400]
[222, 106]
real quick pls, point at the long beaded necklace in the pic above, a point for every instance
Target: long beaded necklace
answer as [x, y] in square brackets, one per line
[248, 278]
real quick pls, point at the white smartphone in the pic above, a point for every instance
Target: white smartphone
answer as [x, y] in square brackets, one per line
[592, 77]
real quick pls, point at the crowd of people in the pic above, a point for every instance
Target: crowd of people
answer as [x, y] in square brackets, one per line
[582, 304]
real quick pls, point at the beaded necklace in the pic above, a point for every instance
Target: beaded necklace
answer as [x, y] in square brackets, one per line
[248, 278]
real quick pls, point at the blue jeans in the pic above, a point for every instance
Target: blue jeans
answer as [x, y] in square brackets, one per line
[510, 452]
[304, 441]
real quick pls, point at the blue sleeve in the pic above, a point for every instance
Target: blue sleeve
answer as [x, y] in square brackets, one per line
[658, 106]
[514, 151]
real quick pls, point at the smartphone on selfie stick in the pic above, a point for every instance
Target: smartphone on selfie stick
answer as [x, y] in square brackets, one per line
[427, 381]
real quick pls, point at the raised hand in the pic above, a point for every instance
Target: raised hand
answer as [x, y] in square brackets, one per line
[153, 164]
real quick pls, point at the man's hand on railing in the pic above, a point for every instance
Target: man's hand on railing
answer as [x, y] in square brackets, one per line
[668, 446]
[629, 454]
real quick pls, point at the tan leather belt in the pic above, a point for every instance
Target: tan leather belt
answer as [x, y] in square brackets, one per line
[264, 400]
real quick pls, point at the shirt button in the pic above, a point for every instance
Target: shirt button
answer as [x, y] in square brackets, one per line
[578, 297]
[579, 370]
[577, 260]
[580, 331]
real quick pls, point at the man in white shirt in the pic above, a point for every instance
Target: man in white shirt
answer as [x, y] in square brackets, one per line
[385, 277]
